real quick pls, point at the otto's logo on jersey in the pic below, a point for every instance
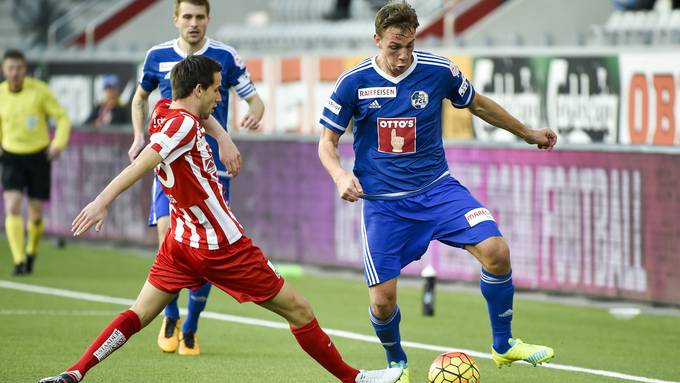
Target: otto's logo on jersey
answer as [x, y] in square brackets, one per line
[419, 99]
[397, 135]
[383, 92]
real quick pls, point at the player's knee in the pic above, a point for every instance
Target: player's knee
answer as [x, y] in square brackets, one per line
[382, 307]
[145, 317]
[13, 206]
[497, 257]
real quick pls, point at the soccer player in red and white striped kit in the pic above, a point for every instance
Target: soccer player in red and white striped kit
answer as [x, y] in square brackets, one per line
[205, 243]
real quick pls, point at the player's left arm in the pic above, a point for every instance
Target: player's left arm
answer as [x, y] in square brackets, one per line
[494, 114]
[251, 120]
[95, 212]
[229, 153]
[63, 125]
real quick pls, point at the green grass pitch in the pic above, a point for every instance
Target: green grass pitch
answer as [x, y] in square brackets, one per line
[42, 334]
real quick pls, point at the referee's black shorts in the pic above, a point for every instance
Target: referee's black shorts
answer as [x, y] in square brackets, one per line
[27, 172]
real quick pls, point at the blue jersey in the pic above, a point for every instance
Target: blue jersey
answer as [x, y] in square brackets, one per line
[161, 58]
[397, 122]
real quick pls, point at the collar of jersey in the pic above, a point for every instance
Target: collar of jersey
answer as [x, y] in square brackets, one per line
[183, 54]
[402, 76]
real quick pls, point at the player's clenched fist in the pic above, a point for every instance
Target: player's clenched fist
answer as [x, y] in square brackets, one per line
[349, 187]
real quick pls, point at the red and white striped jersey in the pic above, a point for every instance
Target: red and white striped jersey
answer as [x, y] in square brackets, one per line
[199, 213]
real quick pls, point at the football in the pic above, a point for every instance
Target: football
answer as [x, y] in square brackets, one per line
[453, 367]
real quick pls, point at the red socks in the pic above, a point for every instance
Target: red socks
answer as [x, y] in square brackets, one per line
[114, 335]
[319, 346]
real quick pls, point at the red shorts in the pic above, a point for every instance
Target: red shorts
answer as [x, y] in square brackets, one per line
[241, 270]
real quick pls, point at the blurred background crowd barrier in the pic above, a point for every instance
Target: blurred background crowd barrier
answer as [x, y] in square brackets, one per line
[599, 216]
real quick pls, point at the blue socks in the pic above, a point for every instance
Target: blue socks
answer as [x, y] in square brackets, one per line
[171, 310]
[197, 302]
[498, 291]
[388, 332]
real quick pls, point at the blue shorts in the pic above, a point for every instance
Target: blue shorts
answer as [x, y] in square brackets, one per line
[160, 206]
[397, 232]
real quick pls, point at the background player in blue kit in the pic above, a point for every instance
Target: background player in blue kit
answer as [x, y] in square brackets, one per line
[401, 173]
[191, 19]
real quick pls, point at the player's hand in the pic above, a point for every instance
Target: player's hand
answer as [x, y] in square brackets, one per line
[53, 153]
[349, 187]
[250, 122]
[543, 138]
[92, 214]
[136, 147]
[229, 155]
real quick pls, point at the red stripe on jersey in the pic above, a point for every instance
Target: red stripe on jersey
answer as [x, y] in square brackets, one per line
[200, 230]
[156, 147]
[172, 127]
[217, 189]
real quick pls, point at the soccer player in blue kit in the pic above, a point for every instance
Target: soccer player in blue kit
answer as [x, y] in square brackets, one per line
[191, 18]
[401, 173]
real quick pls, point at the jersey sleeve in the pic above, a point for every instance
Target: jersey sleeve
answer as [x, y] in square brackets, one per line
[459, 89]
[148, 79]
[175, 138]
[55, 111]
[238, 76]
[338, 110]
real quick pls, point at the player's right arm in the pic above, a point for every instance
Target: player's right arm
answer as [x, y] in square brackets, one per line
[95, 212]
[140, 110]
[347, 184]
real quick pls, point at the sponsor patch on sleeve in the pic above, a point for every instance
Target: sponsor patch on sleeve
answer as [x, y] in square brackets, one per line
[333, 106]
[463, 87]
[478, 215]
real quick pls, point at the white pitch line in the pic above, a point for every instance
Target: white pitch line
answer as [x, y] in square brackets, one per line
[19, 312]
[280, 325]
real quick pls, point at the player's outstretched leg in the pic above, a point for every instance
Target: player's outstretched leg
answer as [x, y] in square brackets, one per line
[292, 306]
[188, 344]
[168, 336]
[148, 305]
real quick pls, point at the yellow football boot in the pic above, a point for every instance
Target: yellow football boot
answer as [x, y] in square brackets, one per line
[519, 350]
[188, 344]
[168, 337]
[404, 374]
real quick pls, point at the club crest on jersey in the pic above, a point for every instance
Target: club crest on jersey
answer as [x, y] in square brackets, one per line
[419, 99]
[397, 135]
[379, 92]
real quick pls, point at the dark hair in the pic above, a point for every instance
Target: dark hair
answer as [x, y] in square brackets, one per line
[396, 14]
[13, 54]
[204, 3]
[192, 71]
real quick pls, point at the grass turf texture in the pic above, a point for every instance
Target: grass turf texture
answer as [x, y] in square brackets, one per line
[33, 346]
